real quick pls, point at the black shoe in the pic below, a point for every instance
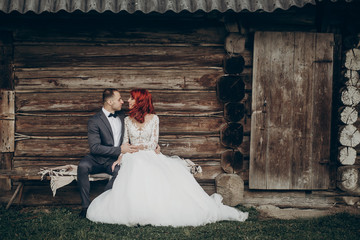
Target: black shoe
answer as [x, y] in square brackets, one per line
[83, 213]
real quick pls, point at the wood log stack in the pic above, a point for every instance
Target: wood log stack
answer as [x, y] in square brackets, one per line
[349, 135]
[231, 92]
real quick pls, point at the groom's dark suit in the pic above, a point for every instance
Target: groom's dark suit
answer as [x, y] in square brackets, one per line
[102, 153]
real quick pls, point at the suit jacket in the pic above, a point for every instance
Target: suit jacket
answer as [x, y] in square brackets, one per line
[101, 139]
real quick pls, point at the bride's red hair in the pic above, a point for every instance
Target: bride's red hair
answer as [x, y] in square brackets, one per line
[143, 104]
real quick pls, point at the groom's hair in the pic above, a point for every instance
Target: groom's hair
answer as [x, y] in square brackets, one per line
[108, 93]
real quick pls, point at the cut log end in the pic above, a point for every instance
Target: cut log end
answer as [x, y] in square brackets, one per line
[349, 115]
[234, 64]
[232, 161]
[231, 135]
[235, 43]
[347, 156]
[350, 96]
[352, 78]
[349, 136]
[348, 179]
[230, 88]
[352, 59]
[234, 112]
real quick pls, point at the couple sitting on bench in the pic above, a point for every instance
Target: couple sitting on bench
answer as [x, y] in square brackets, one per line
[147, 187]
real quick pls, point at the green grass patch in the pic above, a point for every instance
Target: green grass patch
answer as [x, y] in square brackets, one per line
[64, 223]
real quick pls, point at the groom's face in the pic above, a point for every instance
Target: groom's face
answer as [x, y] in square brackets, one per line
[116, 101]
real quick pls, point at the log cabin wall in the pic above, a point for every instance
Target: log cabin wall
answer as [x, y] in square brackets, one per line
[62, 63]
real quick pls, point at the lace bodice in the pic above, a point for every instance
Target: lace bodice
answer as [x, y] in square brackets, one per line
[146, 135]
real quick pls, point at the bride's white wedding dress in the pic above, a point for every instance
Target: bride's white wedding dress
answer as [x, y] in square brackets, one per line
[156, 189]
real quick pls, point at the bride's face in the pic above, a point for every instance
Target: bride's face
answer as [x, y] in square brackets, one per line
[131, 102]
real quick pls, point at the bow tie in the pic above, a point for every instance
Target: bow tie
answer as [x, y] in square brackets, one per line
[112, 115]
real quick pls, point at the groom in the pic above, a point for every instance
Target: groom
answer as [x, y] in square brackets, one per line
[105, 136]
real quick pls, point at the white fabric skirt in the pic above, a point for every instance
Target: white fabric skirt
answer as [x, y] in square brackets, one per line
[159, 190]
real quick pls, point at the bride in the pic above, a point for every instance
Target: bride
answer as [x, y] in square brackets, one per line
[153, 188]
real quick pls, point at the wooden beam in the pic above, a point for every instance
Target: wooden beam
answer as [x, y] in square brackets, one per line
[7, 133]
[6, 60]
[5, 164]
[7, 120]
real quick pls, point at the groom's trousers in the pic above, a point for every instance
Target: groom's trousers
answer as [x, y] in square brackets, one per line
[88, 166]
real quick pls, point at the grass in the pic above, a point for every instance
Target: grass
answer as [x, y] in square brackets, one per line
[64, 223]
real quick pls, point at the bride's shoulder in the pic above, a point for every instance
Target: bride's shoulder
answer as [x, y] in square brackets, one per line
[153, 117]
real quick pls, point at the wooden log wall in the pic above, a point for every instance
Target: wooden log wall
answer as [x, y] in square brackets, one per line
[62, 68]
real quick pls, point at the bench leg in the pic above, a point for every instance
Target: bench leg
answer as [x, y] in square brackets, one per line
[20, 186]
[21, 192]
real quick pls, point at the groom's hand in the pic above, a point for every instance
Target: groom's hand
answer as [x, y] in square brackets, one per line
[117, 162]
[114, 165]
[127, 148]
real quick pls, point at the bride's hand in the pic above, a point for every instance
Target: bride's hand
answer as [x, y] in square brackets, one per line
[127, 148]
[117, 162]
[157, 150]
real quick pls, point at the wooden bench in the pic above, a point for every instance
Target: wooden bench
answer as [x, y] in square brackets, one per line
[22, 177]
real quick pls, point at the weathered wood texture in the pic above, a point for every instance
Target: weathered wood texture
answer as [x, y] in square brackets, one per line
[230, 88]
[348, 179]
[7, 120]
[347, 155]
[6, 58]
[5, 163]
[235, 43]
[7, 106]
[349, 136]
[350, 96]
[61, 70]
[7, 133]
[231, 135]
[291, 120]
[352, 59]
[298, 199]
[348, 115]
[232, 161]
[234, 112]
[234, 64]
[352, 78]
[196, 102]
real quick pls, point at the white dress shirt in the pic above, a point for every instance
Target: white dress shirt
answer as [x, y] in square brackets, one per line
[115, 124]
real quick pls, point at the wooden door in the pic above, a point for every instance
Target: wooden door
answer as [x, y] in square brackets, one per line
[291, 110]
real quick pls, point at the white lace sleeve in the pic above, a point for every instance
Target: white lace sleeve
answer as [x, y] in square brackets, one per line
[154, 139]
[126, 129]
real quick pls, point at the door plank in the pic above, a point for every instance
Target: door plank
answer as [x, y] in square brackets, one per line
[258, 140]
[322, 89]
[279, 111]
[301, 167]
[290, 137]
